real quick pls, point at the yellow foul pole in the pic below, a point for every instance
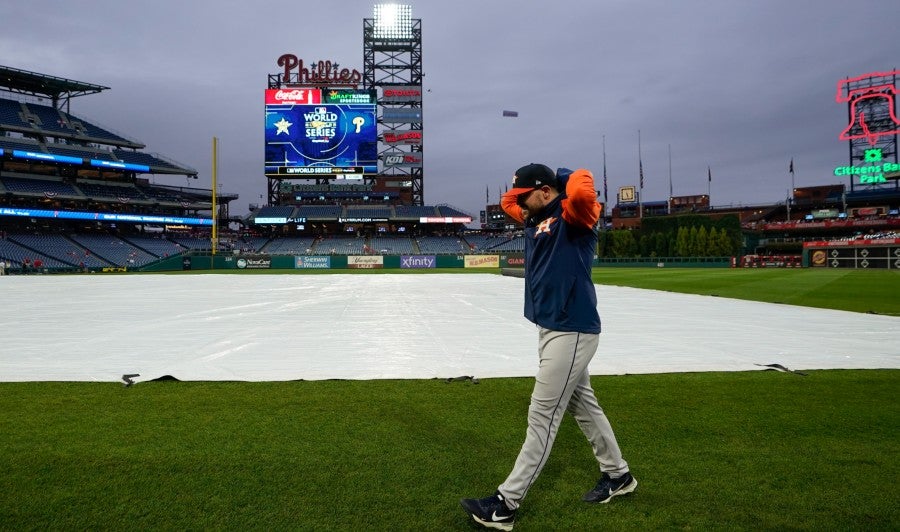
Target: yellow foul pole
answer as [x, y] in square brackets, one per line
[215, 233]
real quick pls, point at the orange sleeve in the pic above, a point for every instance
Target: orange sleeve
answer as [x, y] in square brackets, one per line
[580, 206]
[510, 207]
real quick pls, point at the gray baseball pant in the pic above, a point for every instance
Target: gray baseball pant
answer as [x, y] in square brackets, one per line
[562, 383]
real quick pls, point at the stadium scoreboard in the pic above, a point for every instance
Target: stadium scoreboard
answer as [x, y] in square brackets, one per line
[320, 132]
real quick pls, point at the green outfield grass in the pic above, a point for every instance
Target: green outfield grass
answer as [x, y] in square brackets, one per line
[713, 451]
[875, 291]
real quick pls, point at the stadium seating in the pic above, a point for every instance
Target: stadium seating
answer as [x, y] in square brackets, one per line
[369, 211]
[289, 246]
[250, 244]
[11, 113]
[61, 248]
[414, 212]
[19, 143]
[114, 249]
[162, 195]
[48, 119]
[516, 244]
[158, 246]
[84, 152]
[193, 243]
[392, 245]
[440, 245]
[94, 190]
[284, 211]
[16, 254]
[479, 243]
[340, 245]
[46, 187]
[137, 157]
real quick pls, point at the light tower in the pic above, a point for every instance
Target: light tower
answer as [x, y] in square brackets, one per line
[392, 64]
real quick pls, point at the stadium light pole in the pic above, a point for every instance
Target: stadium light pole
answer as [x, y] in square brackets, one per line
[393, 21]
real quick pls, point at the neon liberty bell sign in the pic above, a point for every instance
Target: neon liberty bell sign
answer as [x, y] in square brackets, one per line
[860, 97]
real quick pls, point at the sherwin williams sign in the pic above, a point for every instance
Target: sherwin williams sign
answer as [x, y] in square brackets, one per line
[312, 262]
[418, 261]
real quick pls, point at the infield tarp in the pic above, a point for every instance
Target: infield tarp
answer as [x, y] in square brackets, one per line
[343, 326]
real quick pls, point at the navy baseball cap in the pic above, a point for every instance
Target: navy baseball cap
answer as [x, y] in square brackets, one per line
[532, 176]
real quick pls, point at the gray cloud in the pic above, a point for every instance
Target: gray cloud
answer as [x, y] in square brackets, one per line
[741, 87]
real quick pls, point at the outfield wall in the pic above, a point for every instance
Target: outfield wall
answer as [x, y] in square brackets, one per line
[197, 261]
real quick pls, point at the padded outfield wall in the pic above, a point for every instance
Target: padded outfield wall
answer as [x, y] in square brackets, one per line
[195, 261]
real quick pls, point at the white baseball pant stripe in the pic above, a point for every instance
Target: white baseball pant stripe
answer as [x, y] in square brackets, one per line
[562, 383]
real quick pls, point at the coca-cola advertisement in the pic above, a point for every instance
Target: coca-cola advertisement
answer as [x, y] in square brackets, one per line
[297, 96]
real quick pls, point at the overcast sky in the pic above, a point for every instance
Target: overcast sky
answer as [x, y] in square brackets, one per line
[739, 87]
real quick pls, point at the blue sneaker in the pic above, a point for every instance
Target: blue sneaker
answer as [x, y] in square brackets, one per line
[490, 512]
[607, 488]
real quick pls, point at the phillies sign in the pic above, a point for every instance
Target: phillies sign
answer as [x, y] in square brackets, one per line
[316, 73]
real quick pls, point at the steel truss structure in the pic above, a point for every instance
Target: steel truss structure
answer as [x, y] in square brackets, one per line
[396, 61]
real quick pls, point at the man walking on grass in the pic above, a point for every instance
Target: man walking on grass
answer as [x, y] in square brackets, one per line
[559, 212]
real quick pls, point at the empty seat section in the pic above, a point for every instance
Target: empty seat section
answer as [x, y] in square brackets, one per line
[290, 246]
[114, 249]
[16, 255]
[38, 186]
[60, 248]
[392, 245]
[440, 245]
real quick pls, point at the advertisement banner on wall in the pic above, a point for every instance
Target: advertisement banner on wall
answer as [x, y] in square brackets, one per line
[365, 261]
[253, 263]
[482, 261]
[312, 262]
[402, 94]
[512, 261]
[399, 158]
[418, 261]
[405, 136]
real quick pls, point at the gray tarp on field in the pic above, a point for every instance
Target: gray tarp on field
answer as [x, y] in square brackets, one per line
[343, 326]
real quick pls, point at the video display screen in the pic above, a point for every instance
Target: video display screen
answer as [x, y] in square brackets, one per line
[320, 133]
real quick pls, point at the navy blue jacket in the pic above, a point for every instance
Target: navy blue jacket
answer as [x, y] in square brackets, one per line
[560, 244]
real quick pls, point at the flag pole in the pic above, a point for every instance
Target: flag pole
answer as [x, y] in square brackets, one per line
[605, 189]
[669, 210]
[641, 177]
[790, 196]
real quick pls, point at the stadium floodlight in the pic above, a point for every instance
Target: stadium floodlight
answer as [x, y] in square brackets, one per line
[393, 22]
